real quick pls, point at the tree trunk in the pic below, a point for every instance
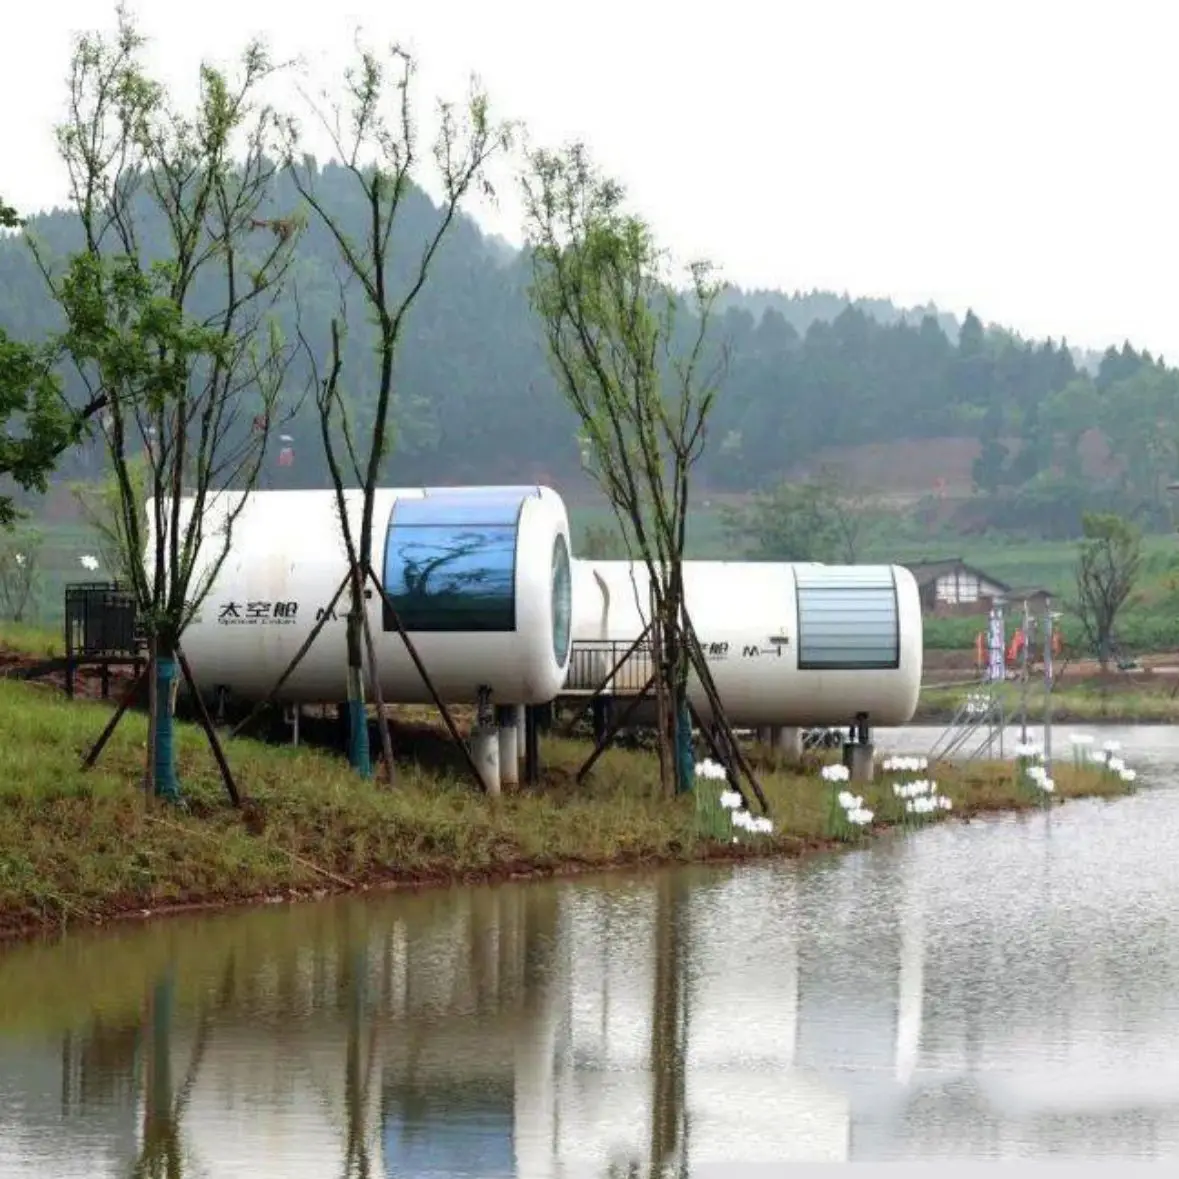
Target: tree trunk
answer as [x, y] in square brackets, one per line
[167, 682]
[359, 756]
[153, 709]
[663, 733]
[679, 719]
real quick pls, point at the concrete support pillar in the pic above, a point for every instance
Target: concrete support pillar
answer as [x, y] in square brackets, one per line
[509, 758]
[787, 740]
[531, 747]
[521, 732]
[485, 751]
[860, 759]
[765, 735]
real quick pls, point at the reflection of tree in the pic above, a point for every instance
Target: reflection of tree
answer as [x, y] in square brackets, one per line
[667, 1044]
[416, 573]
[358, 1069]
[668, 1040]
[163, 1109]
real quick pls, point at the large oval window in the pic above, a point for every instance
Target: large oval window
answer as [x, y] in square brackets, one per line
[562, 600]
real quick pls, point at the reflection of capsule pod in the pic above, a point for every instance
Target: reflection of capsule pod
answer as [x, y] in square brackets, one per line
[480, 578]
[286, 457]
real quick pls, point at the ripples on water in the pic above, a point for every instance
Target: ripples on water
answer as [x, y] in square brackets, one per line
[997, 989]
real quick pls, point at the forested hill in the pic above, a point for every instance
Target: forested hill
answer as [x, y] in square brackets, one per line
[476, 400]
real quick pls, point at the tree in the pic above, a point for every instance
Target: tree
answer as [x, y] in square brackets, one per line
[601, 543]
[30, 407]
[101, 507]
[817, 519]
[642, 388]
[988, 468]
[1108, 566]
[167, 309]
[37, 421]
[375, 135]
[20, 572]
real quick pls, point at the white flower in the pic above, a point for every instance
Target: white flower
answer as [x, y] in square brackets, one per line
[945, 803]
[860, 817]
[1116, 765]
[731, 800]
[711, 769]
[1047, 785]
[1097, 756]
[1027, 749]
[1128, 775]
[836, 773]
[762, 825]
[1037, 773]
[902, 765]
[20, 560]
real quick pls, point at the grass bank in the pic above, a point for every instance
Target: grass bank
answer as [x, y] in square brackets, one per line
[83, 847]
[31, 639]
[1128, 704]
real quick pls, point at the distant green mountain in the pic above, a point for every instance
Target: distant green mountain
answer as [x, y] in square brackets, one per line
[475, 400]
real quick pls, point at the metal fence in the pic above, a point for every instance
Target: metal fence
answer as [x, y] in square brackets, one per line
[591, 661]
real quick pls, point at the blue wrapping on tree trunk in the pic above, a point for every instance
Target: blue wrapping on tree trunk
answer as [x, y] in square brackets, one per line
[358, 752]
[685, 758]
[167, 785]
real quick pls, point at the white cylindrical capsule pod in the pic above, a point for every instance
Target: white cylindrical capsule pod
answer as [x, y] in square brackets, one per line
[786, 644]
[479, 577]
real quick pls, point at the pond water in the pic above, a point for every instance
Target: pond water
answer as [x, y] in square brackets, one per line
[999, 989]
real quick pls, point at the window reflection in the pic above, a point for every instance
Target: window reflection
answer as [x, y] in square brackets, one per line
[562, 600]
[451, 577]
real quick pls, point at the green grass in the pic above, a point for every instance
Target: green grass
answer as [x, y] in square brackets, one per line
[78, 847]
[1130, 703]
[32, 639]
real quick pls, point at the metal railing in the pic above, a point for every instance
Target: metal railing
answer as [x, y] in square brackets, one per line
[591, 661]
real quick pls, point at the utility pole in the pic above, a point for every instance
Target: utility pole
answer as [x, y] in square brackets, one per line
[1024, 668]
[1048, 685]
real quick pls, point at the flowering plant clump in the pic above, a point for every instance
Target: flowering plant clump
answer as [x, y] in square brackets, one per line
[1115, 765]
[920, 800]
[978, 704]
[720, 812]
[1030, 771]
[1039, 779]
[904, 765]
[848, 816]
[1108, 757]
[712, 819]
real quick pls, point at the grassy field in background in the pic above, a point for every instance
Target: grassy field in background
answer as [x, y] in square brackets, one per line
[1130, 703]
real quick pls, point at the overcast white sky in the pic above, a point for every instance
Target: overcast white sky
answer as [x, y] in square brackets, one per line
[1017, 156]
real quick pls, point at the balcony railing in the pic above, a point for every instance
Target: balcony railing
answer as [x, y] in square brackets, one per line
[591, 661]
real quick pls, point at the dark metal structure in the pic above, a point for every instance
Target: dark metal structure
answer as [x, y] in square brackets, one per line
[101, 629]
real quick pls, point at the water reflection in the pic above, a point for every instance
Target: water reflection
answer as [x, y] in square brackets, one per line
[998, 989]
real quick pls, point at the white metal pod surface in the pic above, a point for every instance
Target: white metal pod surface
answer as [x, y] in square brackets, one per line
[787, 644]
[480, 577]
